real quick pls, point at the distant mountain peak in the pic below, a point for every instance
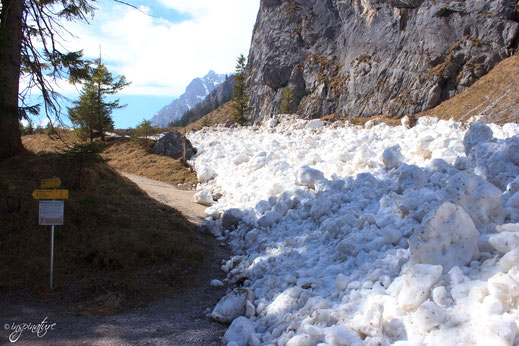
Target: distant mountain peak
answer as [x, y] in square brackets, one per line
[195, 92]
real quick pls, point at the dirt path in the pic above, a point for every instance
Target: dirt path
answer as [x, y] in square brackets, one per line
[177, 320]
[182, 200]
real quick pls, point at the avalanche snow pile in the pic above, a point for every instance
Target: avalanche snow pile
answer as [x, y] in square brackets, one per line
[377, 235]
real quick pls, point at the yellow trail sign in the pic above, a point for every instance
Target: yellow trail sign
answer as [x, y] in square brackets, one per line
[50, 194]
[50, 183]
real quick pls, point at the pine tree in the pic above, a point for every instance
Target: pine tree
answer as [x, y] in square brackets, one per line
[144, 128]
[92, 112]
[206, 122]
[29, 47]
[286, 101]
[240, 99]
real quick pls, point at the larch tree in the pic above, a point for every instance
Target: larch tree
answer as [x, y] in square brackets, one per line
[92, 112]
[240, 99]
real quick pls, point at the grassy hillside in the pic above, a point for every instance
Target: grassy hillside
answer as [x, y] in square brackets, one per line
[218, 116]
[495, 96]
[127, 156]
[117, 246]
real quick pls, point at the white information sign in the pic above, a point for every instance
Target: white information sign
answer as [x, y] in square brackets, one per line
[52, 213]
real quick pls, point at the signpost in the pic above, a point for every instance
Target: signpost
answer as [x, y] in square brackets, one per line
[52, 183]
[50, 194]
[52, 211]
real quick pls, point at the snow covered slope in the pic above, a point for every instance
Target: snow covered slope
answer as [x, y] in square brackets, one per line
[195, 93]
[378, 235]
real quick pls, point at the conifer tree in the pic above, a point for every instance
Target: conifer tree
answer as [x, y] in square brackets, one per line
[240, 99]
[144, 128]
[206, 122]
[92, 112]
[30, 47]
[286, 101]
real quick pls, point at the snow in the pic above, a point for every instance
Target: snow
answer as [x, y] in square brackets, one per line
[376, 235]
[204, 197]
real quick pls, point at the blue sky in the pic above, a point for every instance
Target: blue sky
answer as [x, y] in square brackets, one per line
[160, 53]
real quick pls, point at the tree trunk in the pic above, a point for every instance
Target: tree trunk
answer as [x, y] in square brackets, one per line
[11, 18]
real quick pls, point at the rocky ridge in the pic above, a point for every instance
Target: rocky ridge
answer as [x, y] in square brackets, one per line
[367, 57]
[195, 93]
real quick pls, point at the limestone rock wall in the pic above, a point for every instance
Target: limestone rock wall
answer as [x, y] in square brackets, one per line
[367, 57]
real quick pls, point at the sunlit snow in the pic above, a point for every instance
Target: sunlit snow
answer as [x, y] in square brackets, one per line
[372, 235]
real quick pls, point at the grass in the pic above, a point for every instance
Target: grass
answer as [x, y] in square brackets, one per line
[134, 158]
[125, 155]
[117, 246]
[218, 116]
[495, 96]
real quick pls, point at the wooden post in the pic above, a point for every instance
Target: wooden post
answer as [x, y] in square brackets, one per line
[183, 150]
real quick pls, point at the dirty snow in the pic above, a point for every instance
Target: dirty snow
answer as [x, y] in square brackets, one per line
[380, 235]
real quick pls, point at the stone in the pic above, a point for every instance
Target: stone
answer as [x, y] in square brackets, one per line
[229, 122]
[171, 145]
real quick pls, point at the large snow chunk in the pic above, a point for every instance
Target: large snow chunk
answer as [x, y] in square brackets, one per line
[494, 161]
[392, 157]
[231, 306]
[269, 219]
[341, 335]
[414, 287]
[480, 199]
[477, 133]
[285, 302]
[449, 238]
[503, 287]
[308, 176]
[204, 197]
[205, 174]
[512, 150]
[504, 241]
[428, 316]
[410, 177]
[231, 218]
[240, 331]
[508, 227]
[510, 260]
[314, 124]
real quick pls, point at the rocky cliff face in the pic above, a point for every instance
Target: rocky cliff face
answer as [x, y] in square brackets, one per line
[367, 57]
[195, 93]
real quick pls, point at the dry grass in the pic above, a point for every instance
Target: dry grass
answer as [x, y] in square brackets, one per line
[117, 247]
[495, 96]
[124, 155]
[135, 158]
[218, 116]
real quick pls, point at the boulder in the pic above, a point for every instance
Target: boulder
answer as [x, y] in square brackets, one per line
[171, 145]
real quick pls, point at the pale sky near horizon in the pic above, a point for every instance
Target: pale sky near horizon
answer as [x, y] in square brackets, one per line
[160, 53]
